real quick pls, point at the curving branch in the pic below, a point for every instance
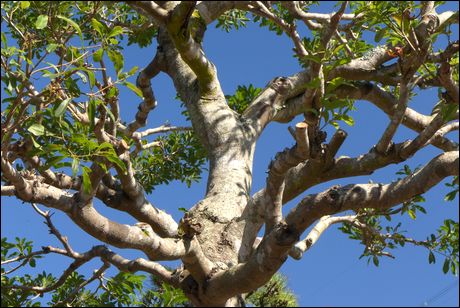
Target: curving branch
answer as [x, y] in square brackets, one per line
[385, 101]
[271, 253]
[377, 196]
[149, 103]
[423, 137]
[444, 130]
[159, 14]
[322, 225]
[161, 129]
[108, 257]
[262, 10]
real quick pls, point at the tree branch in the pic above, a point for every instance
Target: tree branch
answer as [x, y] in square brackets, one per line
[159, 14]
[423, 137]
[290, 29]
[378, 196]
[386, 102]
[179, 29]
[322, 225]
[385, 141]
[149, 103]
[8, 190]
[276, 173]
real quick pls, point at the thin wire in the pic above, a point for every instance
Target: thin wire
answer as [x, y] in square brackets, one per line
[440, 294]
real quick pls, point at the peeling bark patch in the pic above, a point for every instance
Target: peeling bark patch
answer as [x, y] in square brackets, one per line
[209, 215]
[190, 226]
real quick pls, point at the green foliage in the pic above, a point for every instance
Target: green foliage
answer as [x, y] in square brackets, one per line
[389, 20]
[336, 109]
[178, 156]
[279, 11]
[124, 289]
[274, 293]
[232, 19]
[21, 247]
[163, 295]
[378, 238]
[412, 205]
[20, 298]
[446, 244]
[243, 96]
[17, 298]
[451, 195]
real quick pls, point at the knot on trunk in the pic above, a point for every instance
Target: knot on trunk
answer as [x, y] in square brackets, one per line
[282, 85]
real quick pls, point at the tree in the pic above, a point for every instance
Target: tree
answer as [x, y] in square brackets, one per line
[67, 146]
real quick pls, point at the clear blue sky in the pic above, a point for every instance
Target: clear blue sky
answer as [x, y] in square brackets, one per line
[330, 274]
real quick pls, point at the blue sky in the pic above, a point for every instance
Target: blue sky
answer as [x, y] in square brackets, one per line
[330, 274]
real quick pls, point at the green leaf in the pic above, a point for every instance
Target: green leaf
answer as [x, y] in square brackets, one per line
[100, 28]
[41, 22]
[183, 209]
[375, 260]
[445, 267]
[32, 263]
[117, 59]
[105, 146]
[313, 58]
[75, 164]
[431, 258]
[35, 143]
[91, 77]
[37, 129]
[97, 56]
[112, 92]
[115, 31]
[133, 70]
[72, 23]
[335, 124]
[51, 47]
[109, 112]
[25, 4]
[133, 88]
[86, 180]
[92, 111]
[453, 268]
[113, 158]
[60, 110]
[314, 84]
[348, 120]
[451, 196]
[4, 41]
[448, 112]
[412, 214]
